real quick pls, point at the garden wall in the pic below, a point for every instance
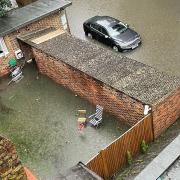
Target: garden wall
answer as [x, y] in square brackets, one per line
[10, 166]
[166, 112]
[122, 106]
[24, 2]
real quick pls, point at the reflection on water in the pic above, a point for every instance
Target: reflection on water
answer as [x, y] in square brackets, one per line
[40, 118]
[158, 23]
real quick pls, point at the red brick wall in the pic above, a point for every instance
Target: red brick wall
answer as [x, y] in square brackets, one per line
[166, 112]
[117, 103]
[10, 166]
[24, 2]
[12, 43]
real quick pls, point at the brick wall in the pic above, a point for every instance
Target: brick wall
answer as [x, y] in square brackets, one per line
[10, 166]
[24, 2]
[117, 103]
[166, 112]
[12, 43]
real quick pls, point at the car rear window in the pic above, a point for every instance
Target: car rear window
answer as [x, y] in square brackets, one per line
[118, 27]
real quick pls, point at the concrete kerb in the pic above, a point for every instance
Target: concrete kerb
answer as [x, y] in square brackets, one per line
[162, 162]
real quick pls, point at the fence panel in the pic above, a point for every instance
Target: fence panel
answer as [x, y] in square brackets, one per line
[97, 166]
[114, 156]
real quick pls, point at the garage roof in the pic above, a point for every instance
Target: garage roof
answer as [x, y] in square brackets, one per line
[139, 81]
[26, 15]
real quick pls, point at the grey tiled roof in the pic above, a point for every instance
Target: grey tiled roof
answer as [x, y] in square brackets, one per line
[26, 15]
[135, 79]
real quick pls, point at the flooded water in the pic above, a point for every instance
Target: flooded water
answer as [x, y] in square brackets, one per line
[158, 23]
[173, 173]
[40, 117]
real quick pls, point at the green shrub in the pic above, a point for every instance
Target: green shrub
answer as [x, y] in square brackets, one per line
[129, 157]
[144, 147]
[4, 4]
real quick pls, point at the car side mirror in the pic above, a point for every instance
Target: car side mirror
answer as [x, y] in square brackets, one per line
[106, 36]
[127, 25]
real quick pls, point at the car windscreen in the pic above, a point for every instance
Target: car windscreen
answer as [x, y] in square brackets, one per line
[117, 29]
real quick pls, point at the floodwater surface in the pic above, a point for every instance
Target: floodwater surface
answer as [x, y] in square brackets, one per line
[40, 117]
[158, 23]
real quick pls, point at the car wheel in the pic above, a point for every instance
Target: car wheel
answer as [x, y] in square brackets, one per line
[90, 35]
[115, 48]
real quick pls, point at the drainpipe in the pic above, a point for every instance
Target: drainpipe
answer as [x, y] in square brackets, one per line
[68, 27]
[148, 110]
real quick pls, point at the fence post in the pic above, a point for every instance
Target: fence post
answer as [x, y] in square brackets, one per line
[105, 168]
[152, 126]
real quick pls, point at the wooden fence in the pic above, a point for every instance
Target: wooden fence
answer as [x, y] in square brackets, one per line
[113, 157]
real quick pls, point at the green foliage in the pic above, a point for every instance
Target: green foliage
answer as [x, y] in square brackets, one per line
[119, 178]
[144, 147]
[129, 157]
[4, 4]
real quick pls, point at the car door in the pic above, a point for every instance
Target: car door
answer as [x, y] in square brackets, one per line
[94, 31]
[104, 37]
